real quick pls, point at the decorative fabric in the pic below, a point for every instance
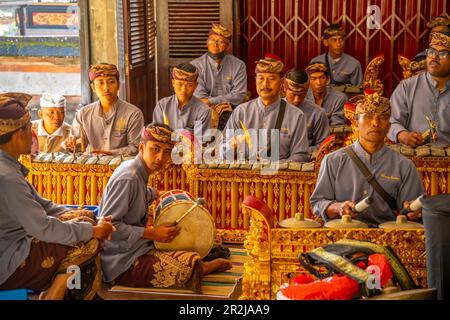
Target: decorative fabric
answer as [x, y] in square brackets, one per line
[372, 102]
[439, 39]
[220, 30]
[49, 100]
[269, 64]
[333, 31]
[38, 269]
[164, 269]
[180, 74]
[13, 112]
[316, 67]
[103, 70]
[158, 134]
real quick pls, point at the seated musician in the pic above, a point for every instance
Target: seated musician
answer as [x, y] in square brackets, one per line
[341, 182]
[182, 110]
[344, 69]
[37, 247]
[324, 96]
[130, 258]
[438, 24]
[420, 104]
[51, 129]
[295, 86]
[109, 125]
[222, 76]
[268, 112]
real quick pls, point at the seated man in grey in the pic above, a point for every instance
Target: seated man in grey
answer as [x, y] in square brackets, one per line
[323, 96]
[295, 86]
[344, 69]
[420, 104]
[182, 110]
[341, 182]
[277, 122]
[131, 258]
[39, 239]
[222, 76]
[110, 125]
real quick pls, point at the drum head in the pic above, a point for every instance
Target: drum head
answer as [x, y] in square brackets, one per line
[197, 233]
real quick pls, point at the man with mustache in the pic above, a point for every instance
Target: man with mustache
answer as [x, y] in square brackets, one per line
[295, 86]
[344, 69]
[37, 244]
[183, 109]
[130, 258]
[324, 96]
[341, 183]
[51, 129]
[266, 113]
[108, 126]
[222, 76]
[424, 95]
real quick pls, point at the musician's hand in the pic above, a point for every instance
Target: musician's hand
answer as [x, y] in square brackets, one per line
[70, 143]
[162, 233]
[206, 101]
[103, 229]
[105, 152]
[411, 139]
[414, 215]
[338, 209]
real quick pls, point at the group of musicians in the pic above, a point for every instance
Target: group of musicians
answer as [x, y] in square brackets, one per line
[39, 243]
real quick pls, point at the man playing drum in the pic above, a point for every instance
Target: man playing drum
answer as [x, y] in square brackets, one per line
[341, 181]
[130, 258]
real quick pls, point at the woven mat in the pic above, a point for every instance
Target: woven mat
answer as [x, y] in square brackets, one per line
[217, 284]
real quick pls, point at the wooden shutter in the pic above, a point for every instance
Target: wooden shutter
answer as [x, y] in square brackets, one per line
[139, 54]
[183, 27]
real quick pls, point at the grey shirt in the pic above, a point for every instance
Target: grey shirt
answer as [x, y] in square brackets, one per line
[333, 104]
[118, 131]
[417, 97]
[194, 110]
[317, 124]
[226, 84]
[293, 144]
[345, 69]
[340, 180]
[126, 199]
[25, 215]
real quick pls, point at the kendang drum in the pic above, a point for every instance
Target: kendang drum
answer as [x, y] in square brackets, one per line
[198, 230]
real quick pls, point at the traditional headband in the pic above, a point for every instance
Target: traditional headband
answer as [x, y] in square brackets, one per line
[439, 22]
[439, 39]
[333, 32]
[372, 102]
[269, 65]
[220, 30]
[179, 74]
[52, 101]
[103, 70]
[13, 112]
[158, 134]
[316, 67]
[295, 86]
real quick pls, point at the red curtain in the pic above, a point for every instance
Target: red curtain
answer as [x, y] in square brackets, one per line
[292, 30]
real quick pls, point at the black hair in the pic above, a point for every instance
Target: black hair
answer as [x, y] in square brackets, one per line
[297, 75]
